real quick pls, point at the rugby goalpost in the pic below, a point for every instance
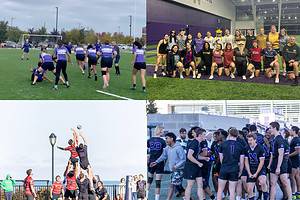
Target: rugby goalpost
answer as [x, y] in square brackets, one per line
[37, 39]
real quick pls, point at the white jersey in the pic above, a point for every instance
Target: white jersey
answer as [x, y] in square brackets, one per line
[211, 41]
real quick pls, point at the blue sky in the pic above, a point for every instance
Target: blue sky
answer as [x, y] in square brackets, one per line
[101, 15]
[116, 136]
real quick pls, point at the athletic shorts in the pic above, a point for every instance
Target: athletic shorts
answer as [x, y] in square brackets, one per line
[29, 197]
[117, 59]
[257, 65]
[80, 57]
[253, 180]
[283, 167]
[228, 176]
[187, 65]
[220, 65]
[289, 170]
[216, 168]
[83, 197]
[70, 194]
[289, 68]
[267, 65]
[74, 160]
[92, 61]
[192, 171]
[244, 172]
[140, 66]
[48, 66]
[177, 177]
[206, 175]
[295, 163]
[56, 196]
[106, 62]
[158, 169]
[84, 165]
[26, 50]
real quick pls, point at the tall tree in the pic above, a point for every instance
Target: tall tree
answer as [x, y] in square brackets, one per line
[151, 107]
[14, 34]
[3, 30]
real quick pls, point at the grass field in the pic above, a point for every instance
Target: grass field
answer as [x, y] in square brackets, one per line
[15, 80]
[176, 89]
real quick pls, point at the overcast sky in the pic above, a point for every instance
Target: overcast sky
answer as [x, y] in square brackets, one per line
[101, 15]
[116, 136]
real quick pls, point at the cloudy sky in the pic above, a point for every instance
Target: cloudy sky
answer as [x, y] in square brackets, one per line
[101, 15]
[116, 137]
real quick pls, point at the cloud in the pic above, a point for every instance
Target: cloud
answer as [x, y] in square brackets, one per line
[101, 15]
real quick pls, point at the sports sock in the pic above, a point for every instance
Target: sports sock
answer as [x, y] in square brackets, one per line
[134, 85]
[157, 197]
[144, 88]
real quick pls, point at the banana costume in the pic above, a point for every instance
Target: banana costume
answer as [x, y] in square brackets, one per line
[219, 38]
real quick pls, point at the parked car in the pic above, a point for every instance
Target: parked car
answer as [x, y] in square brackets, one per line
[10, 44]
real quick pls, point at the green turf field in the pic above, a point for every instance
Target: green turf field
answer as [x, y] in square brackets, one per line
[15, 80]
[176, 89]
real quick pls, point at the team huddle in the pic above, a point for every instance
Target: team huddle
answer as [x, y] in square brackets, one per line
[241, 163]
[87, 59]
[231, 55]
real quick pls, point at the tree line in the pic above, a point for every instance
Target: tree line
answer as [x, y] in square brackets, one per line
[75, 35]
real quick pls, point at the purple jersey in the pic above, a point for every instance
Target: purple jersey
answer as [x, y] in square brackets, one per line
[98, 46]
[92, 53]
[79, 51]
[107, 51]
[199, 44]
[61, 53]
[46, 57]
[69, 47]
[140, 56]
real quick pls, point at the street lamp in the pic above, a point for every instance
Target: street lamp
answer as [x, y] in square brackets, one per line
[52, 139]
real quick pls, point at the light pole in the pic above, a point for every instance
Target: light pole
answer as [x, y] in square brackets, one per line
[130, 25]
[52, 139]
[56, 20]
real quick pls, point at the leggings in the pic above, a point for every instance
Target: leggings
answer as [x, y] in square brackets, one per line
[241, 68]
[8, 195]
[61, 66]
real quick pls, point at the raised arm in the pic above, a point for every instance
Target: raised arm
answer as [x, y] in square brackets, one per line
[83, 138]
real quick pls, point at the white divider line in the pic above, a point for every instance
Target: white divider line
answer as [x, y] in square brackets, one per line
[113, 95]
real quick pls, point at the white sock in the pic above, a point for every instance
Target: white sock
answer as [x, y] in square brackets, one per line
[157, 197]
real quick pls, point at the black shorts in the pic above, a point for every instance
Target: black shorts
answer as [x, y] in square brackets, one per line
[158, 169]
[295, 163]
[216, 168]
[267, 65]
[140, 66]
[187, 65]
[106, 62]
[80, 57]
[244, 172]
[70, 194]
[220, 65]
[48, 66]
[283, 167]
[253, 180]
[228, 175]
[257, 65]
[74, 160]
[117, 59]
[191, 171]
[92, 61]
[289, 68]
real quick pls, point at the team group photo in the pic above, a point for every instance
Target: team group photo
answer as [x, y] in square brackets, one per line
[234, 44]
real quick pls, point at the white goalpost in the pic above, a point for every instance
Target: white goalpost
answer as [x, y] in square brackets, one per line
[40, 40]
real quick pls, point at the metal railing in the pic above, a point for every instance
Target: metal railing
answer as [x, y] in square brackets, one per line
[42, 187]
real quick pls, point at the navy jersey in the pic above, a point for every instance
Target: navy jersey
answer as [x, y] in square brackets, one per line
[269, 55]
[215, 149]
[278, 143]
[231, 150]
[92, 53]
[259, 138]
[155, 147]
[267, 150]
[244, 144]
[69, 47]
[196, 147]
[117, 49]
[40, 75]
[98, 46]
[26, 47]
[254, 156]
[295, 143]
[203, 147]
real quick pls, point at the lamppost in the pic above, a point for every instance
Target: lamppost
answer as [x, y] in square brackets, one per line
[52, 139]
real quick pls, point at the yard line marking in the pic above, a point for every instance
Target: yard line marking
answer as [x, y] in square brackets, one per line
[113, 95]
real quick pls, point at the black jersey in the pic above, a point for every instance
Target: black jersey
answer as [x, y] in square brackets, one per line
[231, 150]
[203, 147]
[244, 144]
[259, 138]
[163, 48]
[269, 55]
[196, 147]
[206, 56]
[278, 143]
[215, 149]
[254, 155]
[295, 143]
[155, 147]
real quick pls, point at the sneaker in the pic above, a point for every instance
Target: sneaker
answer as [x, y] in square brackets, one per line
[55, 87]
[163, 73]
[67, 84]
[82, 72]
[33, 83]
[276, 80]
[155, 75]
[284, 74]
[232, 76]
[252, 76]
[211, 77]
[144, 90]
[198, 76]
[181, 76]
[194, 76]
[244, 77]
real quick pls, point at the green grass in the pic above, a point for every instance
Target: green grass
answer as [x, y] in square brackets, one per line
[15, 80]
[177, 89]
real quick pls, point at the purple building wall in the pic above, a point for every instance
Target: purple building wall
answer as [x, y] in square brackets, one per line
[165, 15]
